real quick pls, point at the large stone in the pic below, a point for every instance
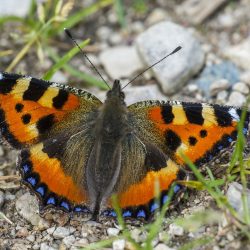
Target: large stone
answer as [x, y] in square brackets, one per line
[234, 196]
[121, 61]
[27, 207]
[239, 54]
[160, 40]
[14, 8]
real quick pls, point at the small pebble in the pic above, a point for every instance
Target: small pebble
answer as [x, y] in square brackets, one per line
[61, 232]
[156, 16]
[103, 33]
[119, 244]
[236, 99]
[175, 230]
[192, 87]
[69, 240]
[222, 97]
[51, 230]
[44, 246]
[135, 234]
[241, 87]
[245, 77]
[162, 246]
[31, 238]
[218, 86]
[112, 231]
[81, 243]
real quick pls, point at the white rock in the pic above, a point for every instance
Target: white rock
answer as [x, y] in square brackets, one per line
[61, 232]
[51, 230]
[175, 71]
[162, 246]
[156, 16]
[112, 231]
[27, 207]
[234, 196]
[135, 234]
[59, 77]
[14, 8]
[119, 244]
[44, 246]
[81, 243]
[138, 93]
[175, 230]
[241, 87]
[218, 86]
[31, 238]
[236, 99]
[192, 87]
[121, 61]
[69, 240]
[115, 39]
[222, 97]
[239, 54]
[245, 77]
[103, 33]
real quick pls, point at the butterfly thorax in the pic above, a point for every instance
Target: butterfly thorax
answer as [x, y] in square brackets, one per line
[104, 163]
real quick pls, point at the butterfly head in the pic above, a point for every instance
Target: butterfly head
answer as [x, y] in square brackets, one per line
[116, 93]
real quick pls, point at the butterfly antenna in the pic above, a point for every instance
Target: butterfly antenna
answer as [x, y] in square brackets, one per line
[93, 66]
[173, 52]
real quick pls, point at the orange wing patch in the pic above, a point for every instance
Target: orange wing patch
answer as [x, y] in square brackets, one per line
[46, 177]
[141, 193]
[200, 131]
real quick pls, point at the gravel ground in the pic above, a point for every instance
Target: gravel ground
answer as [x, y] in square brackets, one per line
[214, 67]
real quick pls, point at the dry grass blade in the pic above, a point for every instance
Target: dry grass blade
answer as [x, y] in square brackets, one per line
[10, 178]
[5, 218]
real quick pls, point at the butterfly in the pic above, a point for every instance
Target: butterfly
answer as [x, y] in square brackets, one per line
[75, 151]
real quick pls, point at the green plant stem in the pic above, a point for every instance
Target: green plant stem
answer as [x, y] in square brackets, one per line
[25, 49]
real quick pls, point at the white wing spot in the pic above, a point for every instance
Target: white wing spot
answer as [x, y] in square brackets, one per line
[234, 114]
[1, 76]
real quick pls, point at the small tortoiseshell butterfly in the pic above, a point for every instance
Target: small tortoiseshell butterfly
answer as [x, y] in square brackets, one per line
[76, 151]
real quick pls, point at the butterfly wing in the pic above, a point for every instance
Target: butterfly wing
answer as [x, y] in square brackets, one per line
[40, 117]
[169, 129]
[200, 131]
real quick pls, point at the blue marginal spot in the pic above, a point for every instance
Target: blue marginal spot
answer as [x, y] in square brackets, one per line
[210, 157]
[229, 139]
[220, 147]
[106, 213]
[245, 130]
[31, 180]
[154, 206]
[127, 213]
[81, 209]
[141, 213]
[112, 213]
[65, 205]
[41, 190]
[176, 188]
[26, 168]
[164, 199]
[51, 200]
